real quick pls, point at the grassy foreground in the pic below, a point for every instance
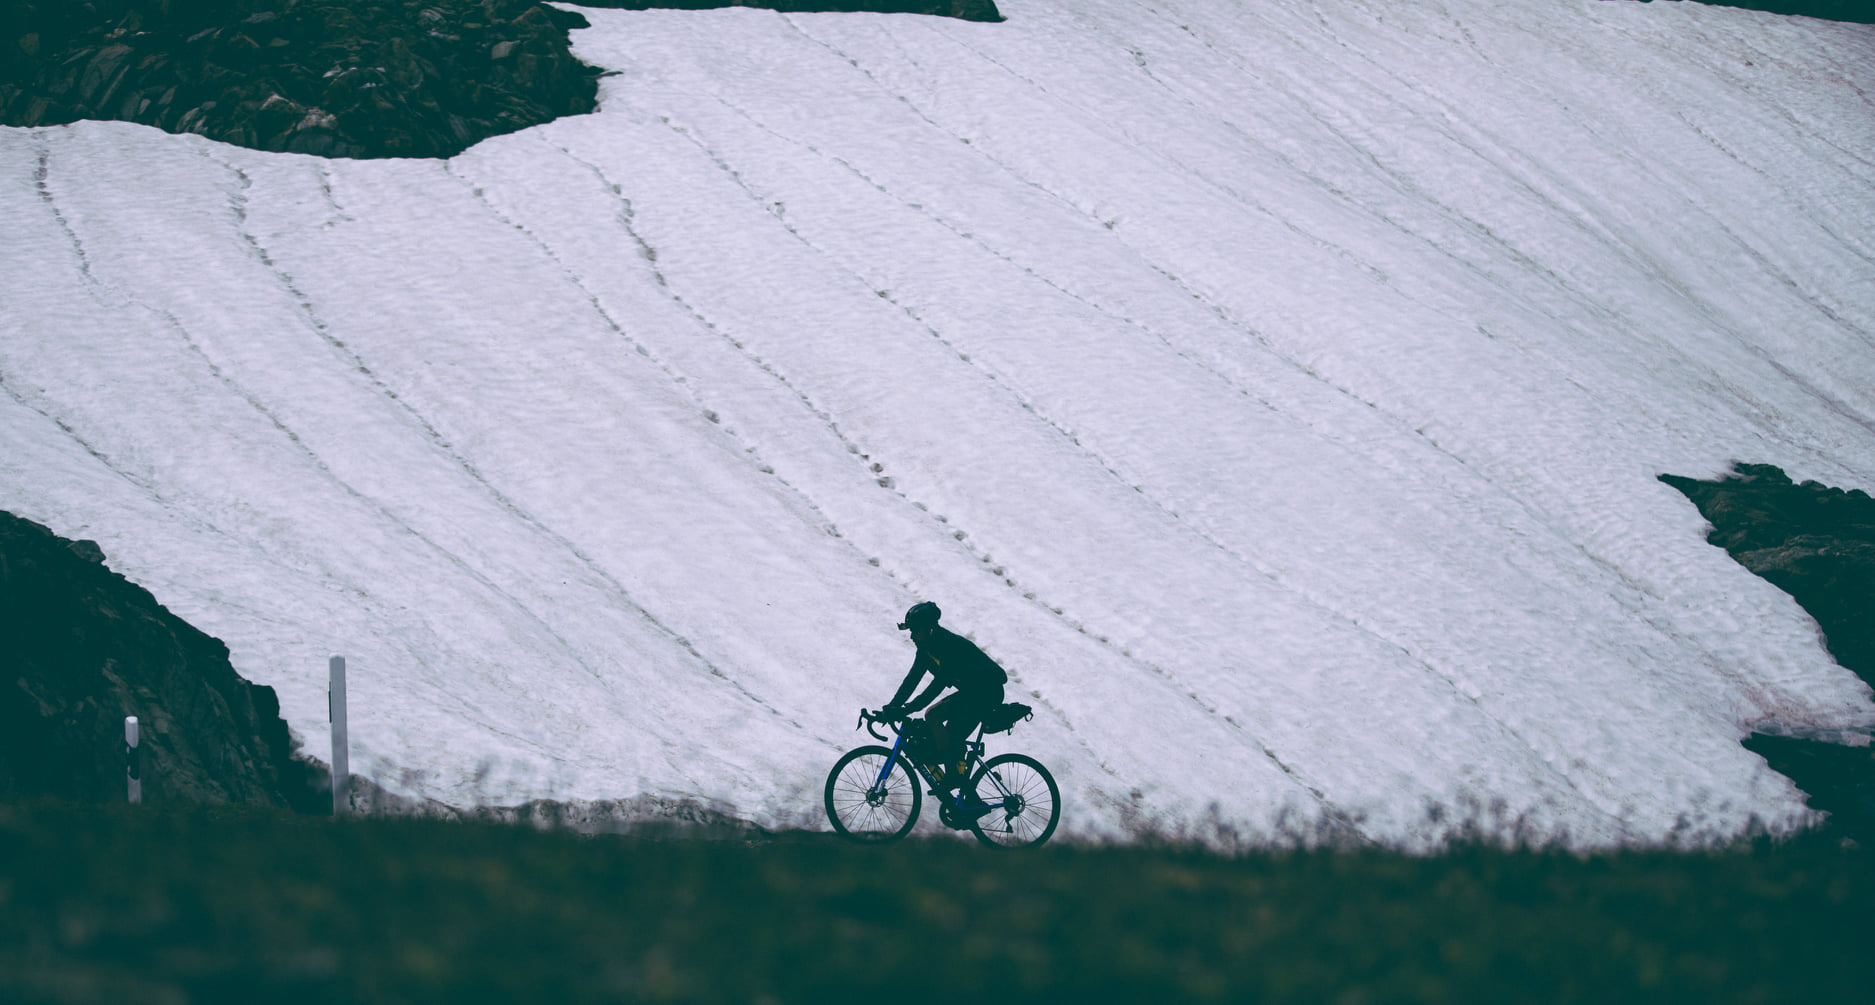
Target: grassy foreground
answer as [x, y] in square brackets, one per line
[155, 904]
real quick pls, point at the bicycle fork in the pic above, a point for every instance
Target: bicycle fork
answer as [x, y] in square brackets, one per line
[885, 770]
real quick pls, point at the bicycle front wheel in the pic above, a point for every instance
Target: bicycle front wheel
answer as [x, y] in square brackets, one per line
[1025, 803]
[868, 803]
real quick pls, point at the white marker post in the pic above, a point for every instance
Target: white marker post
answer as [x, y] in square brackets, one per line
[341, 774]
[133, 760]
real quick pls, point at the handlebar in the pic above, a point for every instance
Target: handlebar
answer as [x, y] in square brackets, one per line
[867, 719]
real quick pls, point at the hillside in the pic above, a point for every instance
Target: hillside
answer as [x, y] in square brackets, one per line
[1279, 392]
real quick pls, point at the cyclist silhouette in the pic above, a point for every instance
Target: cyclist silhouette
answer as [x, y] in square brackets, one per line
[953, 662]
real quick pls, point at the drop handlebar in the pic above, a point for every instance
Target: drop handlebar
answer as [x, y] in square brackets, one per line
[868, 719]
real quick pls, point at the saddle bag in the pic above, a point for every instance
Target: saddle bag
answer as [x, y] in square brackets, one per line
[1004, 717]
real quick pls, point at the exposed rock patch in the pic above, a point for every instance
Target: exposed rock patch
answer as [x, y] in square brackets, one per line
[1817, 544]
[965, 10]
[1829, 10]
[377, 78]
[337, 78]
[84, 647]
[1839, 779]
[1814, 542]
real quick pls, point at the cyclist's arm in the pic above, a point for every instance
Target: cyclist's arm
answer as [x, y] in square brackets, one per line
[912, 677]
[924, 699]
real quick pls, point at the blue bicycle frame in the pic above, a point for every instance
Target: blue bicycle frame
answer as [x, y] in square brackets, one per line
[959, 798]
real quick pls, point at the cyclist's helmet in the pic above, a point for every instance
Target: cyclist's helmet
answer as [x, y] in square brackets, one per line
[923, 614]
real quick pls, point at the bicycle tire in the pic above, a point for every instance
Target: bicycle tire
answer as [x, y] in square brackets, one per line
[1030, 823]
[857, 812]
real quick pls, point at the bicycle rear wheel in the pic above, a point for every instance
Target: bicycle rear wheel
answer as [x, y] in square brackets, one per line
[1025, 803]
[866, 804]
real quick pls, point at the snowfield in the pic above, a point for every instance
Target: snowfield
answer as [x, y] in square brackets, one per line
[1276, 389]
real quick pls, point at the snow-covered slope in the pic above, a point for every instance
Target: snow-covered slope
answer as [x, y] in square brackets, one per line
[1276, 388]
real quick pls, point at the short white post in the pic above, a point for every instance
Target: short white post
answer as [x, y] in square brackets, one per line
[133, 759]
[341, 773]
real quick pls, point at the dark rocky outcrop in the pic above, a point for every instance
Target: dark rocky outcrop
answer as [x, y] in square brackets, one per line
[1839, 779]
[1860, 11]
[82, 647]
[1817, 544]
[964, 10]
[340, 78]
[1814, 542]
[337, 78]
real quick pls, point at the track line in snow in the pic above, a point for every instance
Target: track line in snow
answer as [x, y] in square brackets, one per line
[1150, 151]
[117, 299]
[1516, 168]
[338, 215]
[688, 388]
[42, 185]
[624, 218]
[1222, 312]
[438, 442]
[1005, 257]
[1519, 169]
[84, 444]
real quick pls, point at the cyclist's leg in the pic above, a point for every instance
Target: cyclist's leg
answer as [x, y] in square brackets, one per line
[963, 713]
[941, 733]
[917, 736]
[968, 711]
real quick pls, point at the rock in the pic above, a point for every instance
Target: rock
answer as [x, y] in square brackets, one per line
[1817, 544]
[444, 73]
[1814, 542]
[85, 648]
[1838, 779]
[195, 117]
[102, 73]
[87, 550]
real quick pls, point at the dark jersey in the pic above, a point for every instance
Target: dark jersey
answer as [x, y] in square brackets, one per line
[952, 661]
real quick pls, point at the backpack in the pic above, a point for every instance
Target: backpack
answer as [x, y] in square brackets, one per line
[1004, 717]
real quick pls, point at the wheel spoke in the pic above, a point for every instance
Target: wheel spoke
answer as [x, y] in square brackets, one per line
[865, 807]
[1025, 801]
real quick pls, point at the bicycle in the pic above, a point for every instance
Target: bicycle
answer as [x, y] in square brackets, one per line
[873, 795]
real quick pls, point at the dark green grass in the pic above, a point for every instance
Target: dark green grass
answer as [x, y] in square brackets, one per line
[149, 905]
